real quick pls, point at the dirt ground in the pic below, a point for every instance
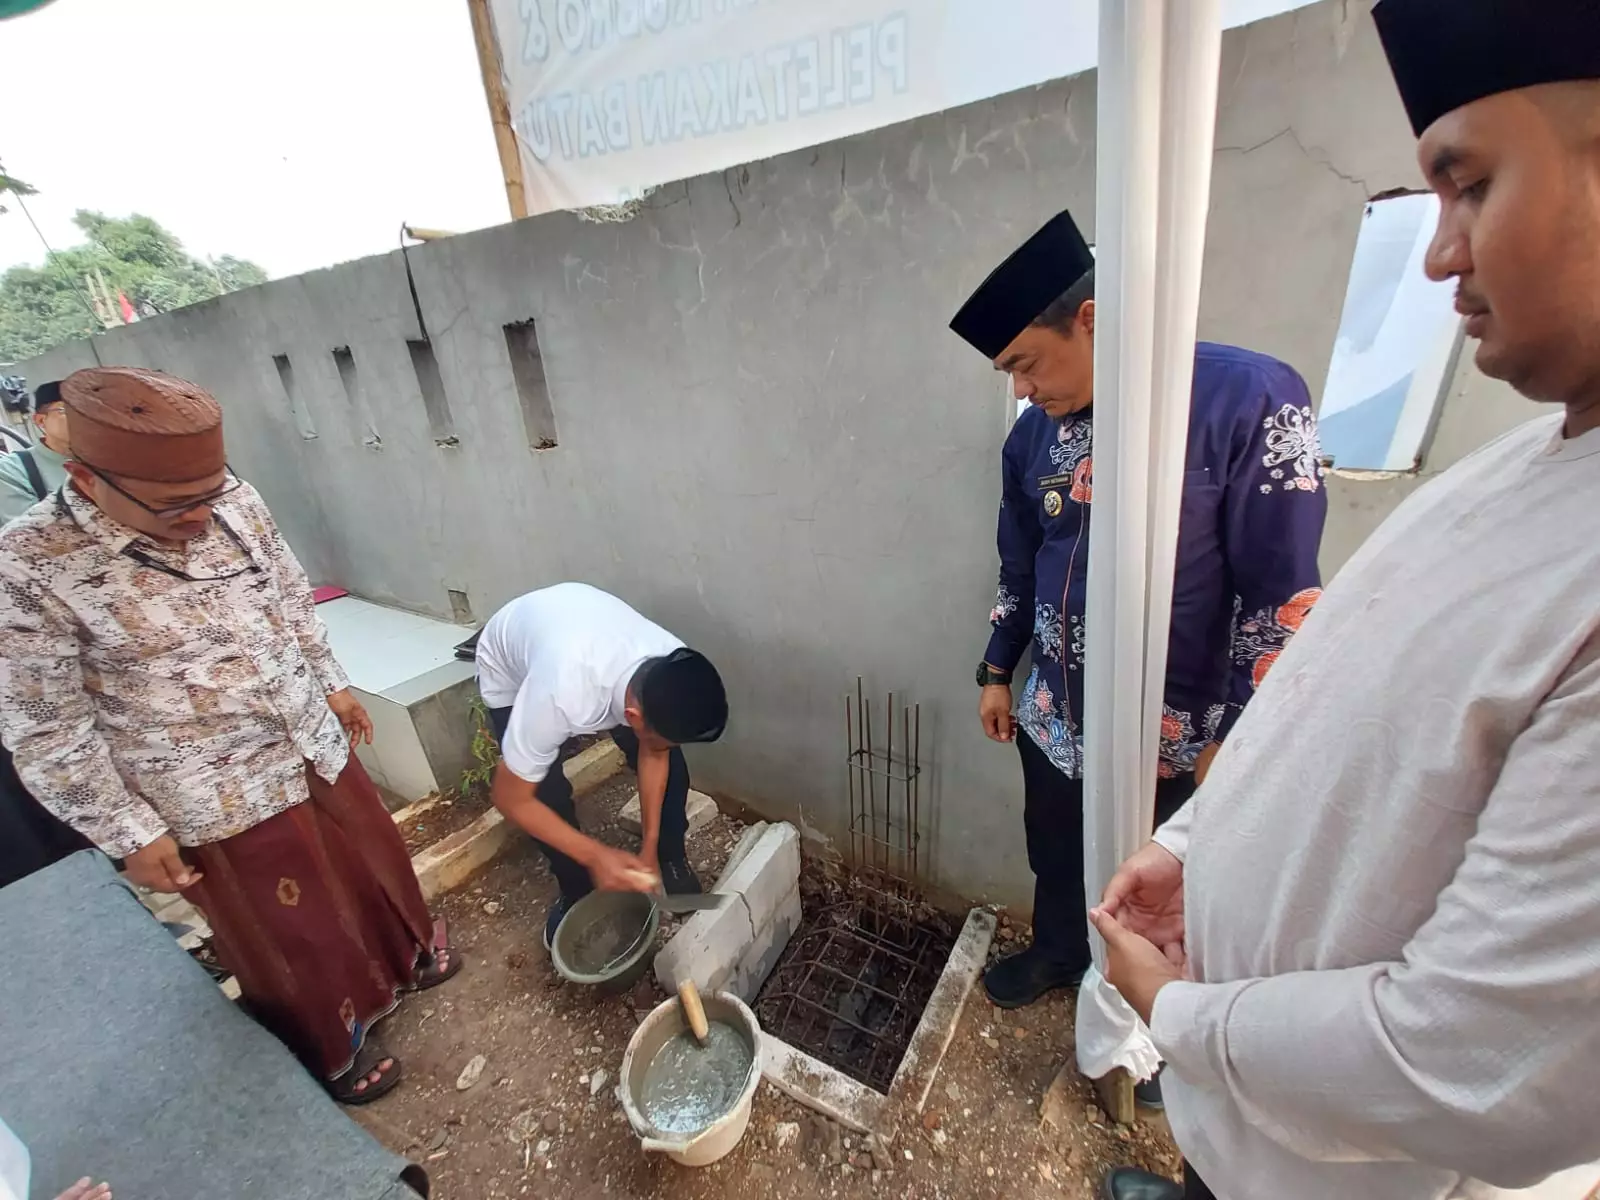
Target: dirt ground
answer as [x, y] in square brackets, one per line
[445, 816]
[543, 1119]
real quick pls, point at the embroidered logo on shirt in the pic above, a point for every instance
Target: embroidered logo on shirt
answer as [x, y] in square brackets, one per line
[1083, 482]
[1292, 439]
[1004, 605]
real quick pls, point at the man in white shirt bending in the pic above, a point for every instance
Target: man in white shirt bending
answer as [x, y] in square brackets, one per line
[1369, 947]
[569, 660]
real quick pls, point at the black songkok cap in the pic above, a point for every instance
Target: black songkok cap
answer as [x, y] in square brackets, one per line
[1023, 286]
[1447, 53]
[683, 698]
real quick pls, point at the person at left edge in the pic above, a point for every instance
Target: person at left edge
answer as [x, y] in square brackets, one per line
[30, 474]
[568, 660]
[1246, 575]
[167, 689]
[31, 836]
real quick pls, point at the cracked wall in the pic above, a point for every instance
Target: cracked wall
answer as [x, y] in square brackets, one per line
[768, 439]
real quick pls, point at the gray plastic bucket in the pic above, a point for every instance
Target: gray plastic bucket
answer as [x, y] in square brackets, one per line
[607, 940]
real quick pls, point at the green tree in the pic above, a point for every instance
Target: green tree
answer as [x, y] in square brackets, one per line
[41, 307]
[10, 183]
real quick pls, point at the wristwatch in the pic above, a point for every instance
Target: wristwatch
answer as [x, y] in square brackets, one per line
[989, 677]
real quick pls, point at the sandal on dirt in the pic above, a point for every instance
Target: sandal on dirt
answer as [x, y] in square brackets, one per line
[344, 1089]
[436, 972]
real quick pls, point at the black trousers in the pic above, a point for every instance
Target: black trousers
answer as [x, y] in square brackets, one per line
[1194, 1188]
[1052, 815]
[555, 793]
[31, 837]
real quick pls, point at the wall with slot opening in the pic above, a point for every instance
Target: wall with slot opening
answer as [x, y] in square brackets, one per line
[742, 410]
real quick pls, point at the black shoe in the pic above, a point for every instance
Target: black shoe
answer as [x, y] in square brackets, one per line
[1019, 979]
[1148, 1092]
[1124, 1183]
[679, 879]
[552, 922]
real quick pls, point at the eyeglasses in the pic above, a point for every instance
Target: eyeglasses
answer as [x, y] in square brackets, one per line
[155, 564]
[230, 483]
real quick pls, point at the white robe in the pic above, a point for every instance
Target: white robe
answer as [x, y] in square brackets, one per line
[1392, 873]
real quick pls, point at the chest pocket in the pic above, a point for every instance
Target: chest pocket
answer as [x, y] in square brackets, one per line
[1199, 516]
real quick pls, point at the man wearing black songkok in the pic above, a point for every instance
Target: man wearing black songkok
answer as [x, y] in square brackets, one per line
[1383, 898]
[570, 660]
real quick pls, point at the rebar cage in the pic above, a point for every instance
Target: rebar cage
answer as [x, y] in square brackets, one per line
[852, 984]
[851, 987]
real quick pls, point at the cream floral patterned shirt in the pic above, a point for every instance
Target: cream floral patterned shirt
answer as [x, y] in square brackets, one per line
[146, 689]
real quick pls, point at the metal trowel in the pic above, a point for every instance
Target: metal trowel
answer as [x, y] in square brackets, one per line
[691, 902]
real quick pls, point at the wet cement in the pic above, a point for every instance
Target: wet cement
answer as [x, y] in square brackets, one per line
[606, 944]
[687, 1086]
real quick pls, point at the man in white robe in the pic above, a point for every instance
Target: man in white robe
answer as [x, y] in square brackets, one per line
[1369, 947]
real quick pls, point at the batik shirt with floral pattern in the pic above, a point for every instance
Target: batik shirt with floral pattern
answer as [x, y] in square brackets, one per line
[1252, 514]
[139, 700]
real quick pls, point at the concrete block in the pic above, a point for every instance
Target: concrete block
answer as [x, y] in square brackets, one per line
[721, 946]
[762, 954]
[746, 843]
[707, 948]
[767, 874]
[699, 807]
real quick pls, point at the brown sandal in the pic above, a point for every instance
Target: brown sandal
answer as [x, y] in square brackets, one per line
[434, 973]
[344, 1089]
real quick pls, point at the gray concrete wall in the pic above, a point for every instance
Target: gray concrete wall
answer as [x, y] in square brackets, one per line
[768, 441]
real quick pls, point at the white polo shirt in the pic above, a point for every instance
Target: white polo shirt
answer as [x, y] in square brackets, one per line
[562, 658]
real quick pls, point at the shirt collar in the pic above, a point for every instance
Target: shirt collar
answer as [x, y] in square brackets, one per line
[86, 515]
[47, 455]
[1565, 449]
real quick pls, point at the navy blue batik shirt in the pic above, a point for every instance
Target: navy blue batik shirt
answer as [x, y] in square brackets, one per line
[1252, 514]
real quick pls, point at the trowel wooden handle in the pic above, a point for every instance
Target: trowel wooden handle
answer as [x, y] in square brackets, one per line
[693, 1011]
[644, 881]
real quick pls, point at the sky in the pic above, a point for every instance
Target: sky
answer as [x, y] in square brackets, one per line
[296, 133]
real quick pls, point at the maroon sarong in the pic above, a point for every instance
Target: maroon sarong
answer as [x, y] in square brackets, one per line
[318, 914]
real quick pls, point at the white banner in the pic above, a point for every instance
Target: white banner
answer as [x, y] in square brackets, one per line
[609, 97]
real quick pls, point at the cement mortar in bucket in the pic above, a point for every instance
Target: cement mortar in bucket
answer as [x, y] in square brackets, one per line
[688, 1101]
[606, 940]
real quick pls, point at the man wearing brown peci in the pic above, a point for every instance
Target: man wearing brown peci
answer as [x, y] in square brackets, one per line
[167, 689]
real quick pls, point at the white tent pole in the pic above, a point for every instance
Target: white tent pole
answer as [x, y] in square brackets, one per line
[1157, 110]
[1127, 196]
[1192, 54]
[1099, 674]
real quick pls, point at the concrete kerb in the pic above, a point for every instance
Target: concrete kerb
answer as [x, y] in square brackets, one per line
[417, 808]
[913, 1079]
[819, 1087]
[448, 862]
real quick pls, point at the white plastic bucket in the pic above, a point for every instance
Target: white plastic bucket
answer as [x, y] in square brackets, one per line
[700, 1147]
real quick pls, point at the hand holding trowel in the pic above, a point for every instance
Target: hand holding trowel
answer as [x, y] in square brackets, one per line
[650, 882]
